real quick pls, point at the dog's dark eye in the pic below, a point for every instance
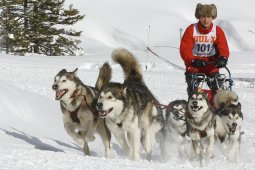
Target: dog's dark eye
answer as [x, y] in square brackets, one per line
[63, 80]
[200, 99]
[109, 97]
[229, 117]
[237, 118]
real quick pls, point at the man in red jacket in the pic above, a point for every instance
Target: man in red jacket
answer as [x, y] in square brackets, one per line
[204, 47]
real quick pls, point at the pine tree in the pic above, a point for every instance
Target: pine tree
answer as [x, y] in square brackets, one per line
[42, 28]
[10, 21]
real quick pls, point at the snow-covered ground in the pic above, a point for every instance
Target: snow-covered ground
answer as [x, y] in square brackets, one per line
[31, 127]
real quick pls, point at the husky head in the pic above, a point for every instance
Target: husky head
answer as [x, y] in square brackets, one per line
[65, 83]
[111, 100]
[198, 104]
[232, 117]
[176, 112]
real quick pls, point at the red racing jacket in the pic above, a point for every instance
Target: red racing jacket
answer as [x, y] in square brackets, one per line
[187, 47]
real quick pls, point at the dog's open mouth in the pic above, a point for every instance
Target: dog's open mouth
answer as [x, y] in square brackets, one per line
[196, 108]
[60, 93]
[103, 113]
[178, 116]
[232, 129]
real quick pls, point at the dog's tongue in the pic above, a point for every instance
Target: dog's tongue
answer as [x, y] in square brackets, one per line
[194, 108]
[59, 94]
[104, 113]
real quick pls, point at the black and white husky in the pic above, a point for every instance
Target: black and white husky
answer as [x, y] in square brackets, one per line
[177, 125]
[129, 107]
[78, 105]
[228, 123]
[201, 122]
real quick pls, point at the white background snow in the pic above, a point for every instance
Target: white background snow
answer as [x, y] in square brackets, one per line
[31, 128]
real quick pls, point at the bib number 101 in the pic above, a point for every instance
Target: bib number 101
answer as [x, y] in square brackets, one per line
[203, 47]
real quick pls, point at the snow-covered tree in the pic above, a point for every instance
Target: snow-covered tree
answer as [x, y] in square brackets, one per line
[10, 21]
[41, 27]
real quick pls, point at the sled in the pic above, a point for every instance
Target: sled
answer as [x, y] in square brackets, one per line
[201, 82]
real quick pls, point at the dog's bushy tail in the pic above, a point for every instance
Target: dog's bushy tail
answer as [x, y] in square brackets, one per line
[104, 76]
[129, 64]
[224, 98]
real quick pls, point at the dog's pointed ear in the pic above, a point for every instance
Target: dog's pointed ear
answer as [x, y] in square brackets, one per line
[62, 71]
[205, 94]
[239, 105]
[223, 112]
[75, 72]
[191, 94]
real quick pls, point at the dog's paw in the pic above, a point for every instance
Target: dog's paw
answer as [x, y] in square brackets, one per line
[203, 163]
[79, 141]
[209, 155]
[109, 155]
[136, 156]
[90, 138]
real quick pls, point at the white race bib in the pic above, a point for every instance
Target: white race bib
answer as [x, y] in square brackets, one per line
[204, 43]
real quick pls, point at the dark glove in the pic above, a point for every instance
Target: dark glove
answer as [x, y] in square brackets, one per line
[221, 62]
[198, 63]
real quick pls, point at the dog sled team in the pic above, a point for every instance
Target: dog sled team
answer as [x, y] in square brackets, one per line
[131, 112]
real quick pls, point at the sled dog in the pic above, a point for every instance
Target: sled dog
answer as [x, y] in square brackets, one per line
[177, 125]
[129, 107]
[201, 122]
[228, 123]
[78, 105]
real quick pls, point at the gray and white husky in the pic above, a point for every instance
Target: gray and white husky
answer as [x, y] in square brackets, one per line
[78, 105]
[201, 122]
[177, 125]
[228, 123]
[129, 107]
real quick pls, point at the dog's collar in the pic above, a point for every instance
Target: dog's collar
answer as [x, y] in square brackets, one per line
[75, 93]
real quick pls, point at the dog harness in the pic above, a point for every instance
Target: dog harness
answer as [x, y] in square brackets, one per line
[74, 115]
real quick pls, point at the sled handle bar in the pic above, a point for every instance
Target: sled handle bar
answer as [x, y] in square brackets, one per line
[229, 74]
[213, 62]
